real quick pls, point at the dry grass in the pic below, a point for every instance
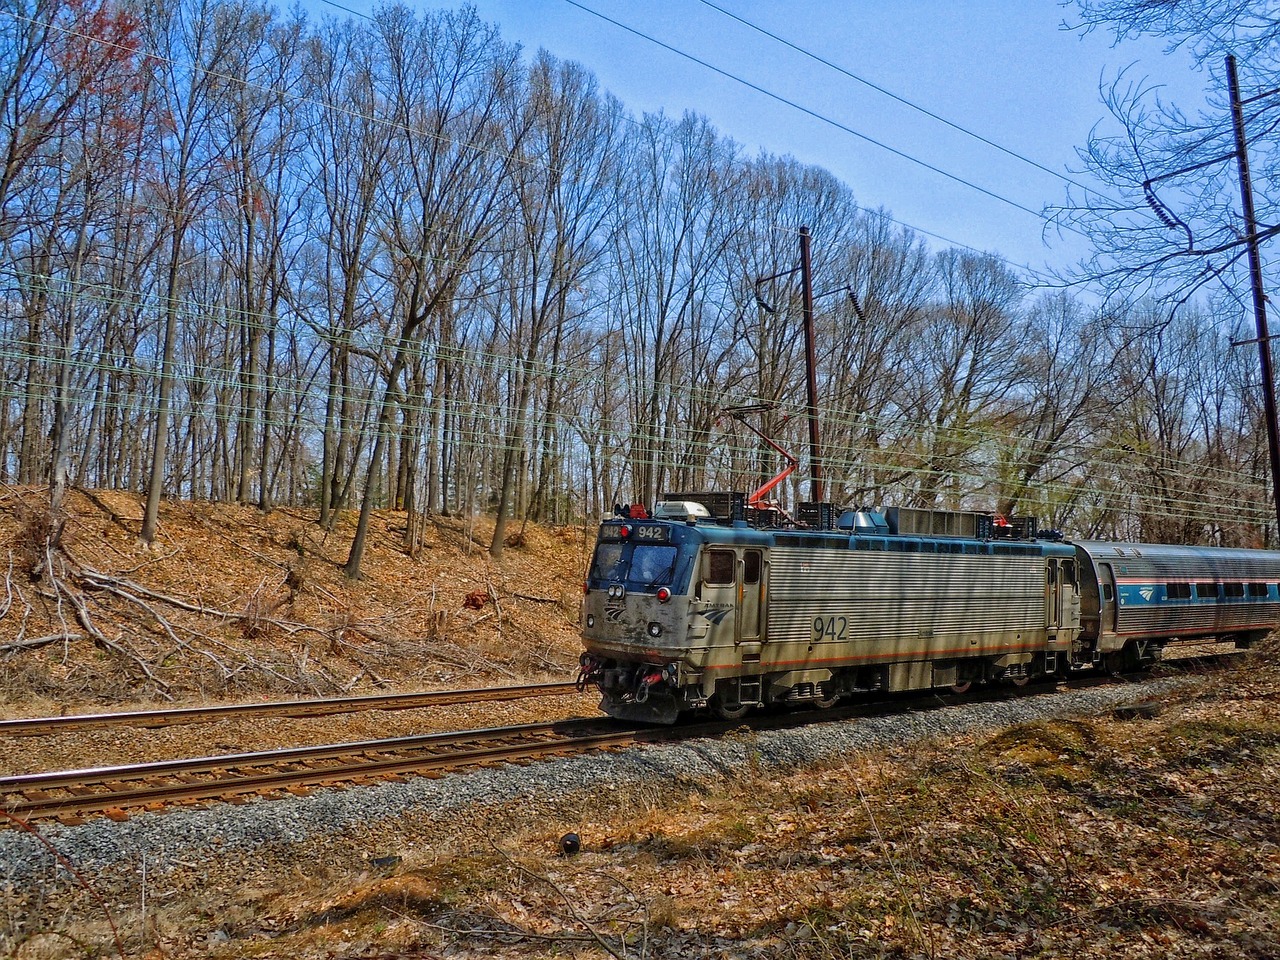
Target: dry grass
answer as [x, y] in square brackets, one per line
[1089, 837]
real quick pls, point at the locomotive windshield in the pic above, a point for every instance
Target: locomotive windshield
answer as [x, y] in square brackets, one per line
[641, 562]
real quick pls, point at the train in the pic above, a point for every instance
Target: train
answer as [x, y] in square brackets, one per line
[706, 603]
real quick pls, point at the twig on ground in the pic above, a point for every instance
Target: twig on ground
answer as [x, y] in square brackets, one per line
[70, 868]
[568, 902]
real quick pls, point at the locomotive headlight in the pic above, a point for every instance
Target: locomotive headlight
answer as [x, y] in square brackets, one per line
[655, 629]
[591, 619]
[615, 591]
[663, 594]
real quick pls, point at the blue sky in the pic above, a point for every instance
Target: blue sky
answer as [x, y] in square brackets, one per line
[1007, 70]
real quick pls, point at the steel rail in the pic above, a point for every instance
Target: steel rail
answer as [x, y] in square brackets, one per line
[36, 726]
[73, 794]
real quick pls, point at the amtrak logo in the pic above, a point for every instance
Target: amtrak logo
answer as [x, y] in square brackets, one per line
[717, 616]
[613, 614]
[1147, 593]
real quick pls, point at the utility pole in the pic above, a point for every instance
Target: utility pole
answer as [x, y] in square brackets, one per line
[1255, 275]
[811, 368]
[810, 352]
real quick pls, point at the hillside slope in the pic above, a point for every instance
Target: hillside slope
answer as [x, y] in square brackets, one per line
[232, 603]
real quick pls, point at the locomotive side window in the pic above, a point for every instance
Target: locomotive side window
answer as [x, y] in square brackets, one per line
[1257, 589]
[1233, 591]
[719, 567]
[1107, 593]
[1177, 591]
[751, 566]
[1207, 591]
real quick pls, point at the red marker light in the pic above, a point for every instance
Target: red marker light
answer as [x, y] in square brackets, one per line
[663, 594]
[586, 587]
[624, 531]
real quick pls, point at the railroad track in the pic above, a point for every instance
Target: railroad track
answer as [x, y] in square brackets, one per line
[36, 726]
[73, 796]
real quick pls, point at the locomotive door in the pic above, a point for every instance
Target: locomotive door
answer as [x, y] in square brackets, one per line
[1106, 602]
[719, 591]
[1061, 601]
[750, 581]
[1052, 599]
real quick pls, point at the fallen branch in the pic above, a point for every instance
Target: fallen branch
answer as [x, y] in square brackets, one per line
[102, 640]
[148, 562]
[115, 585]
[168, 629]
[36, 643]
[8, 588]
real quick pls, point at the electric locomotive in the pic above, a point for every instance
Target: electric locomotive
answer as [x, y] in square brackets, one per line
[708, 603]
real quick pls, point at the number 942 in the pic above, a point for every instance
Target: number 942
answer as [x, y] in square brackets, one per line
[830, 629]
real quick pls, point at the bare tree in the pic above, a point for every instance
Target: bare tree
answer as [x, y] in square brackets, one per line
[350, 140]
[448, 81]
[190, 48]
[964, 372]
[262, 135]
[675, 222]
[1048, 440]
[1165, 221]
[891, 275]
[562, 202]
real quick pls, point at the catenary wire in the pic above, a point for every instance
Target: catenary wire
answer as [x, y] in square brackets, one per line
[819, 116]
[844, 71]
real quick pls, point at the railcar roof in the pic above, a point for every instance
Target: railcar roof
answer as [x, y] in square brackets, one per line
[1104, 550]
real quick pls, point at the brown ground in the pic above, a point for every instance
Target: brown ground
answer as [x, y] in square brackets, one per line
[277, 618]
[1091, 837]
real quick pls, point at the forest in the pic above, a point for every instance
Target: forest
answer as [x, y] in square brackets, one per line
[398, 262]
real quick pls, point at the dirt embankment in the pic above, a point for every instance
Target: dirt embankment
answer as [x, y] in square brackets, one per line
[230, 603]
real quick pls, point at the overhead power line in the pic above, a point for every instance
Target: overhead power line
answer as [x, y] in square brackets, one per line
[823, 118]
[904, 101]
[1042, 279]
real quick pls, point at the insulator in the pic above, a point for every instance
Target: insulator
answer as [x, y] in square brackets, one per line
[1158, 207]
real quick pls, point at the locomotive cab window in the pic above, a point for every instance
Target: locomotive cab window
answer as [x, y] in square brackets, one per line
[650, 564]
[719, 567]
[608, 563]
[653, 565]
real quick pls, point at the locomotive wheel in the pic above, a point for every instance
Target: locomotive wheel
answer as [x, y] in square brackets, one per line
[730, 711]
[828, 697]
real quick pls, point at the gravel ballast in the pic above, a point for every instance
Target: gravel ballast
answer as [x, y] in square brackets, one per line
[284, 831]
